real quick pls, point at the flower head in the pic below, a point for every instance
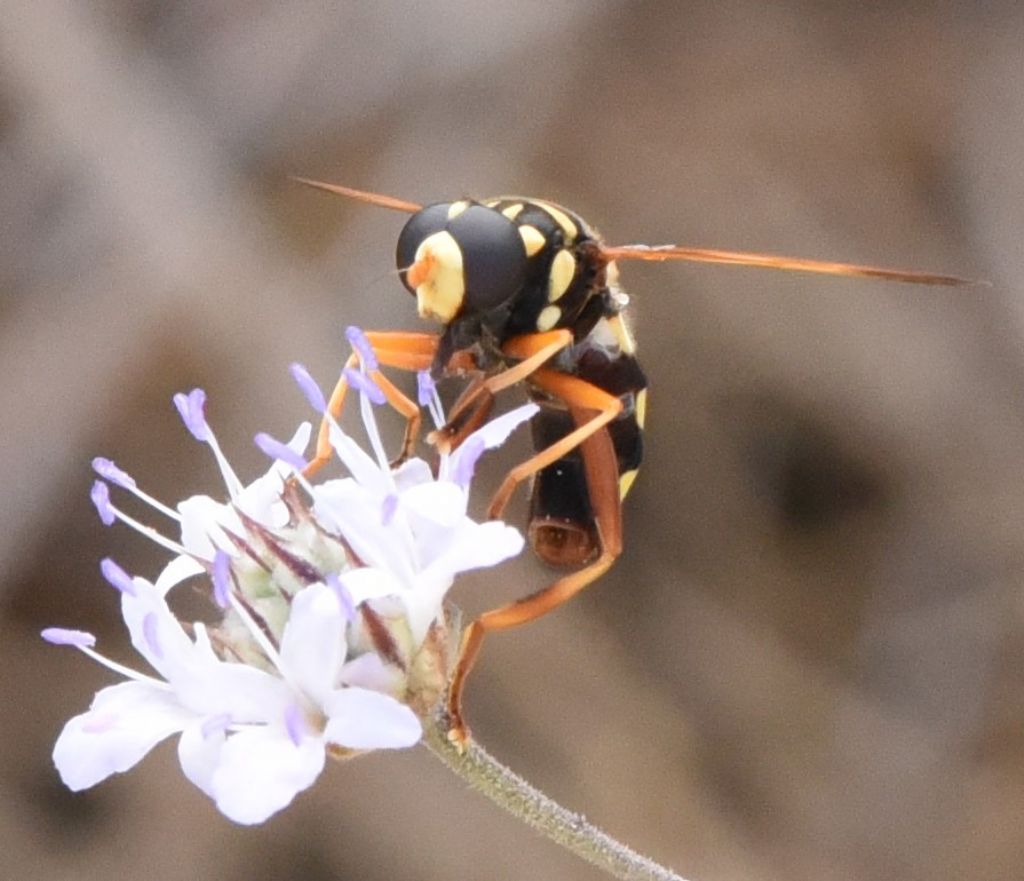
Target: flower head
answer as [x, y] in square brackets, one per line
[333, 637]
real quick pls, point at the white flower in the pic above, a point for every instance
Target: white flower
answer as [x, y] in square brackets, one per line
[251, 740]
[411, 530]
[333, 639]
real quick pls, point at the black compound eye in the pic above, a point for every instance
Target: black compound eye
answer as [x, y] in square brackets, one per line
[493, 257]
[422, 225]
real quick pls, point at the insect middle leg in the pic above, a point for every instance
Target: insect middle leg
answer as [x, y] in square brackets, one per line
[592, 409]
[474, 405]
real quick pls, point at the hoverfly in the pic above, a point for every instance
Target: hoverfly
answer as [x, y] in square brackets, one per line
[527, 292]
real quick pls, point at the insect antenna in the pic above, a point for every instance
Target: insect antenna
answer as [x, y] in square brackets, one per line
[378, 199]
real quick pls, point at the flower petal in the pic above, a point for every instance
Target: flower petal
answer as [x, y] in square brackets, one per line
[260, 770]
[155, 633]
[476, 545]
[411, 473]
[355, 513]
[203, 522]
[362, 719]
[434, 513]
[440, 504]
[371, 583]
[175, 572]
[261, 499]
[199, 754]
[313, 645]
[203, 683]
[497, 431]
[244, 693]
[370, 671]
[124, 723]
[363, 467]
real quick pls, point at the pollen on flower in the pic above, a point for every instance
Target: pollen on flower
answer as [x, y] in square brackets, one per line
[62, 636]
[105, 468]
[116, 576]
[191, 408]
[365, 386]
[333, 637]
[100, 496]
[221, 574]
[307, 385]
[359, 342]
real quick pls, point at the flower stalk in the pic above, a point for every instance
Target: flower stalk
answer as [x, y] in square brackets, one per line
[508, 790]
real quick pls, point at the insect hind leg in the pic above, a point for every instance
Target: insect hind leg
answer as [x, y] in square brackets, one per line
[601, 470]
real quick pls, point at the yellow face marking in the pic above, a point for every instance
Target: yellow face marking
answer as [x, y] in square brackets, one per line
[563, 270]
[513, 211]
[493, 203]
[548, 318]
[561, 218]
[626, 483]
[611, 273]
[533, 239]
[641, 407]
[622, 335]
[442, 291]
[456, 208]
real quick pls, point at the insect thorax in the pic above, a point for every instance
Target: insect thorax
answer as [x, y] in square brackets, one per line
[564, 274]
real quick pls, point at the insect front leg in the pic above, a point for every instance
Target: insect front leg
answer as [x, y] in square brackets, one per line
[405, 351]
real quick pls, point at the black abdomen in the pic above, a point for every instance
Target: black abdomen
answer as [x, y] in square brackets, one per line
[562, 530]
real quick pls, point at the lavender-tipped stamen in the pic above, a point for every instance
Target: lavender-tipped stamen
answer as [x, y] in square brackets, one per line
[425, 387]
[191, 408]
[365, 386]
[106, 469]
[357, 339]
[62, 636]
[277, 450]
[109, 471]
[221, 574]
[370, 424]
[100, 495]
[309, 387]
[117, 577]
[84, 642]
[426, 394]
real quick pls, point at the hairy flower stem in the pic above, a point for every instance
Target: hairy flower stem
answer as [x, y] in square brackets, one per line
[508, 790]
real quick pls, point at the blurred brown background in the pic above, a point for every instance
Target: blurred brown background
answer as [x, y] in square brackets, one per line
[808, 663]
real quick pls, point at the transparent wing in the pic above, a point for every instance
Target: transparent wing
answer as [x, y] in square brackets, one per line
[659, 253]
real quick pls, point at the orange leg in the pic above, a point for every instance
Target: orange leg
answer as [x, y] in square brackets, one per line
[579, 394]
[406, 351]
[473, 407]
[602, 474]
